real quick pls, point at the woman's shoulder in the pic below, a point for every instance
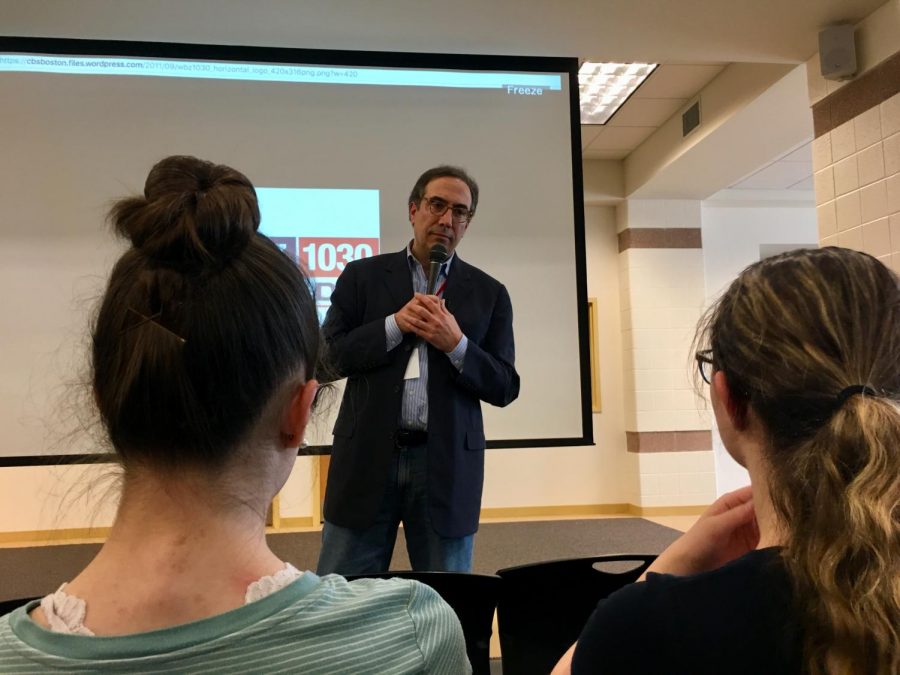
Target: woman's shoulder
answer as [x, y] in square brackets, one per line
[759, 566]
[417, 601]
[323, 625]
[395, 589]
[756, 581]
[388, 605]
[696, 623]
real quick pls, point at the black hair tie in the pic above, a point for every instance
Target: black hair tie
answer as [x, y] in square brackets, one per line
[852, 390]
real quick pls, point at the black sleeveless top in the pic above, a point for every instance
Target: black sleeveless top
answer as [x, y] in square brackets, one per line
[736, 619]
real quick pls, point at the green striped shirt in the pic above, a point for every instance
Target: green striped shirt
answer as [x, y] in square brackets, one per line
[314, 625]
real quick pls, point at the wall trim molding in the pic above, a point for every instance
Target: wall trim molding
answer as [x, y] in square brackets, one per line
[566, 510]
[69, 535]
[870, 89]
[96, 535]
[695, 440]
[654, 511]
[291, 522]
[659, 237]
[589, 510]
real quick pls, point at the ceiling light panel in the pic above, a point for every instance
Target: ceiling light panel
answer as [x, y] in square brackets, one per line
[604, 87]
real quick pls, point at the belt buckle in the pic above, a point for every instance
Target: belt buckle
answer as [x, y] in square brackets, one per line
[405, 438]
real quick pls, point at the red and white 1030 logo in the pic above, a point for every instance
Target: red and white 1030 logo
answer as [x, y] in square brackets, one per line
[325, 257]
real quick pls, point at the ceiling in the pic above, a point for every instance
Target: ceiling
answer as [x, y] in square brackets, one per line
[654, 31]
[794, 171]
[666, 92]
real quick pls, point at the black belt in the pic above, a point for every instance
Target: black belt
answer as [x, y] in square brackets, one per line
[405, 438]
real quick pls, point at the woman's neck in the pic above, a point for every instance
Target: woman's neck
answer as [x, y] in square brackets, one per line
[214, 519]
[772, 531]
[195, 513]
[181, 548]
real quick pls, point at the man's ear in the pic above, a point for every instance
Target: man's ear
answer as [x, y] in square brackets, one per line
[296, 414]
[734, 406]
[413, 209]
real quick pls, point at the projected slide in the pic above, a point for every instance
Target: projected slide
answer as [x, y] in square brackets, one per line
[521, 84]
[322, 230]
[333, 141]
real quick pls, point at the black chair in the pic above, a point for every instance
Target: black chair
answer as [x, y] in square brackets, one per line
[6, 606]
[472, 596]
[544, 606]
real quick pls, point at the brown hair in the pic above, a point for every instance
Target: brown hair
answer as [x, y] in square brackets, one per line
[444, 171]
[202, 321]
[791, 333]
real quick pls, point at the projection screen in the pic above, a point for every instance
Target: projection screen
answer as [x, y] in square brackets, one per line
[333, 141]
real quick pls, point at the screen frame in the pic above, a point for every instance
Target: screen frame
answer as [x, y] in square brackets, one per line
[568, 66]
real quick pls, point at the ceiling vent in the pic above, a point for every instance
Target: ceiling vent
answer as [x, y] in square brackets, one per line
[690, 118]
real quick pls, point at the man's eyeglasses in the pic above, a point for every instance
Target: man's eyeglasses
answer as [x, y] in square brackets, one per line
[460, 215]
[705, 364]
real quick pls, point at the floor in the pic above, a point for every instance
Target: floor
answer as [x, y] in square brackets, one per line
[681, 523]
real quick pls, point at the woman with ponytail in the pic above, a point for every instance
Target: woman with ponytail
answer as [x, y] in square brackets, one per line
[799, 573]
[204, 357]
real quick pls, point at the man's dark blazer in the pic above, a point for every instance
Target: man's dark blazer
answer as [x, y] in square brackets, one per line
[367, 291]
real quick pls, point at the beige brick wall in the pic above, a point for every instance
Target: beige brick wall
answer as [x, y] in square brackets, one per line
[857, 183]
[662, 294]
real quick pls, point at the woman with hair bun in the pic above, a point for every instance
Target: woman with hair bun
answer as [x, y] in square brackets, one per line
[799, 573]
[204, 352]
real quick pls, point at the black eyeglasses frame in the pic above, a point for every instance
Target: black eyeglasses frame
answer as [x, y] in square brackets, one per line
[705, 359]
[456, 211]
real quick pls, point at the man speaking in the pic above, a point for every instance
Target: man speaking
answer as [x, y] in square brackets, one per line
[422, 338]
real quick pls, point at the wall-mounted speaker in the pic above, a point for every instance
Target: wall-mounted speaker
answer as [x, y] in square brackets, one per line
[837, 52]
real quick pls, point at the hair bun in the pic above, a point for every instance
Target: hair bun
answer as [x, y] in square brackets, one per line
[193, 213]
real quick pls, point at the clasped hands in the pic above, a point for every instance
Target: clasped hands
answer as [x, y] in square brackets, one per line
[427, 317]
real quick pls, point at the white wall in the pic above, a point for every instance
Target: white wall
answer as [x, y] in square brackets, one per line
[39, 498]
[734, 226]
[599, 474]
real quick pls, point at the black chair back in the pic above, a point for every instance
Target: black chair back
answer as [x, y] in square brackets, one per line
[544, 606]
[472, 596]
[6, 606]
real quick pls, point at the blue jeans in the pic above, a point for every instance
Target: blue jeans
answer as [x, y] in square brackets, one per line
[369, 551]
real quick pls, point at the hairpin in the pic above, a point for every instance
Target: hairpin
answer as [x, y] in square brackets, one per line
[154, 318]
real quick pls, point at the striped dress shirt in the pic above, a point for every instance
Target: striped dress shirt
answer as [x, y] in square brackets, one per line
[414, 409]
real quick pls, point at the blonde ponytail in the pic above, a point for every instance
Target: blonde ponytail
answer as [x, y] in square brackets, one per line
[843, 486]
